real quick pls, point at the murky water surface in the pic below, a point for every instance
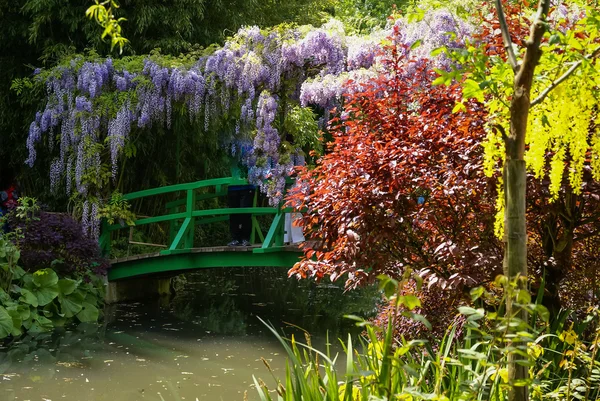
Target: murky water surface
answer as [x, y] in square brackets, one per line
[205, 343]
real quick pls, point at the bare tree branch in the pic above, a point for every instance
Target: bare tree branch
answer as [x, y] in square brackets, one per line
[563, 77]
[512, 59]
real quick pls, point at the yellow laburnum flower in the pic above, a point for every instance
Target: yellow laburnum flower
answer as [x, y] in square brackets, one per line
[535, 350]
[503, 373]
[568, 337]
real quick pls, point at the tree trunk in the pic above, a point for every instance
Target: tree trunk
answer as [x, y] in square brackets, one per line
[515, 258]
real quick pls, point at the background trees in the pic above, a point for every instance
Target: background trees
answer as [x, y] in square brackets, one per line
[40, 33]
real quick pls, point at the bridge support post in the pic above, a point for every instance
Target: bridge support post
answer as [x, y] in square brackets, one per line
[137, 288]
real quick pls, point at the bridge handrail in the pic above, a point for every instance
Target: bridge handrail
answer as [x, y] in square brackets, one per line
[184, 187]
[185, 232]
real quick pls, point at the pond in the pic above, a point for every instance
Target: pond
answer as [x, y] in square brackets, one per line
[206, 342]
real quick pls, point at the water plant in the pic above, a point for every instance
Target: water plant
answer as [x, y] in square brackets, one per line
[562, 359]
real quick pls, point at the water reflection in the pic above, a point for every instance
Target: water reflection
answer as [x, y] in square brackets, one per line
[204, 343]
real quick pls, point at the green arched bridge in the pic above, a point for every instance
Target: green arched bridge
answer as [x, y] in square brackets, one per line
[182, 216]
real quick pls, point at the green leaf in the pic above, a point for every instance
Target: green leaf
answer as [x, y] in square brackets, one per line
[66, 286]
[542, 312]
[439, 80]
[45, 278]
[16, 322]
[471, 89]
[459, 106]
[554, 39]
[89, 313]
[71, 305]
[45, 295]
[416, 44]
[471, 313]
[523, 297]
[41, 324]
[27, 297]
[4, 297]
[45, 286]
[410, 301]
[476, 293]
[388, 285]
[437, 51]
[18, 272]
[24, 311]
[6, 323]
[417, 317]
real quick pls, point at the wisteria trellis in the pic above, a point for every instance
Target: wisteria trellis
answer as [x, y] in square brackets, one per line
[252, 72]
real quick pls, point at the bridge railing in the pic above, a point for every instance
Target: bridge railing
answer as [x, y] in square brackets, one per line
[183, 216]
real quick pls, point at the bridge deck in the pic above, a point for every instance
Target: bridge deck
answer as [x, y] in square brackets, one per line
[198, 258]
[185, 209]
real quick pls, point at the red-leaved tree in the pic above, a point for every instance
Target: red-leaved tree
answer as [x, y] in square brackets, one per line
[401, 186]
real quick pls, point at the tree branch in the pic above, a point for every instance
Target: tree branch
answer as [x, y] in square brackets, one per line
[512, 59]
[563, 77]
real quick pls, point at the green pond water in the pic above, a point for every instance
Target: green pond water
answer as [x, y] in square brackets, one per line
[204, 343]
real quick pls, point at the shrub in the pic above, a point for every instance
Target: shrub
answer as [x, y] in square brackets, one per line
[57, 240]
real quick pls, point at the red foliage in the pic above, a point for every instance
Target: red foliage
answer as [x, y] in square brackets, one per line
[402, 186]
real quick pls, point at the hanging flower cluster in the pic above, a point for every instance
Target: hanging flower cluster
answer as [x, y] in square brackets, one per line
[254, 77]
[436, 29]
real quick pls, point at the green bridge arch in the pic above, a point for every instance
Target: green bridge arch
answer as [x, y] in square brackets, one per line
[183, 215]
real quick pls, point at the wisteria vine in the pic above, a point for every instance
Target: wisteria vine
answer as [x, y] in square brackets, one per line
[256, 75]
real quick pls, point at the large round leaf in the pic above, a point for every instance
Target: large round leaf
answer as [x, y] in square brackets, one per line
[45, 278]
[27, 297]
[44, 286]
[17, 321]
[71, 305]
[41, 324]
[45, 295]
[66, 286]
[6, 323]
[89, 313]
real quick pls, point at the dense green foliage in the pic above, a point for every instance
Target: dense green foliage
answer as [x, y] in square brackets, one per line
[40, 33]
[562, 359]
[39, 299]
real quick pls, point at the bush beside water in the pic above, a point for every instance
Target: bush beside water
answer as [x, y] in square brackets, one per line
[50, 273]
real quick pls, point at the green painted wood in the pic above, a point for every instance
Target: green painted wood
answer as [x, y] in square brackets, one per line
[180, 234]
[182, 255]
[271, 249]
[255, 226]
[279, 231]
[237, 210]
[189, 209]
[151, 220]
[185, 187]
[256, 230]
[272, 231]
[177, 262]
[105, 238]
